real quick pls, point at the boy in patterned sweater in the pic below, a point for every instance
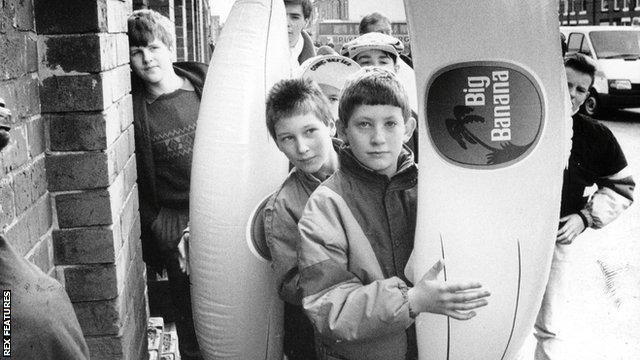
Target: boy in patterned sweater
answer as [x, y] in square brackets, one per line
[166, 98]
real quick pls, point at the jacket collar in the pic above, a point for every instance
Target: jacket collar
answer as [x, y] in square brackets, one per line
[407, 168]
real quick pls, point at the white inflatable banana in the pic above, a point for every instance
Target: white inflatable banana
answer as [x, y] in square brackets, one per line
[493, 140]
[237, 312]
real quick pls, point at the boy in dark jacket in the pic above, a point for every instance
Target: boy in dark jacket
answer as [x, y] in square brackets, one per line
[357, 233]
[166, 98]
[596, 159]
[300, 43]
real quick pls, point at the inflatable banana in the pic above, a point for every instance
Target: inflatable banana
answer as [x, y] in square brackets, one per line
[237, 312]
[493, 143]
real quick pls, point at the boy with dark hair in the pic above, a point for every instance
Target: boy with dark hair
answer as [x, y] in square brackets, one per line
[596, 158]
[374, 49]
[300, 121]
[300, 43]
[357, 233]
[375, 22]
[166, 98]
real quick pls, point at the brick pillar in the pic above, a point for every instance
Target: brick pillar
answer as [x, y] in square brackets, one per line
[197, 29]
[91, 170]
[25, 203]
[181, 29]
[190, 39]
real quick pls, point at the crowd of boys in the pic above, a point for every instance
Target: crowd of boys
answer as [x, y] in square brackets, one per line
[340, 228]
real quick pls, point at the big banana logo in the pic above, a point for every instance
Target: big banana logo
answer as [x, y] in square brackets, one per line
[484, 114]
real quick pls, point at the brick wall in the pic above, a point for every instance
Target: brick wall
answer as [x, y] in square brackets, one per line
[68, 196]
[90, 169]
[25, 203]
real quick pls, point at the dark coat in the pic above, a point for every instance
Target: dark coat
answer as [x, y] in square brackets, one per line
[43, 321]
[149, 207]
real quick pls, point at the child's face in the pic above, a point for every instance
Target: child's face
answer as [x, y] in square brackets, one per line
[375, 57]
[579, 84]
[151, 63]
[333, 94]
[306, 141]
[295, 22]
[375, 134]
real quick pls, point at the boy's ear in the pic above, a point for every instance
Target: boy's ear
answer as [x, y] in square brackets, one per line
[409, 127]
[332, 128]
[342, 130]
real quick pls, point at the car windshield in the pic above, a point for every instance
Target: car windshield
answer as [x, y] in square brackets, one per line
[616, 44]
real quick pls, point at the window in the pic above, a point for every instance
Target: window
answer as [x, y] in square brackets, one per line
[616, 5]
[574, 43]
[565, 5]
[582, 9]
[637, 7]
[605, 5]
[584, 48]
[625, 5]
[572, 9]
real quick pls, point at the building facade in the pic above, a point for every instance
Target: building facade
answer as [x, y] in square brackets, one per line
[599, 12]
[68, 192]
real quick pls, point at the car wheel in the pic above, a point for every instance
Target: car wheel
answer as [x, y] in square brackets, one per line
[592, 105]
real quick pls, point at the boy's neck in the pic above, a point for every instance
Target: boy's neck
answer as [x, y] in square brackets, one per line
[167, 85]
[330, 167]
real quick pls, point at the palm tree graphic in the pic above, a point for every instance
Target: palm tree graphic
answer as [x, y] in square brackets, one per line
[457, 128]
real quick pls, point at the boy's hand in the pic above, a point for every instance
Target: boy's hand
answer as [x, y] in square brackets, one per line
[572, 226]
[453, 299]
[183, 252]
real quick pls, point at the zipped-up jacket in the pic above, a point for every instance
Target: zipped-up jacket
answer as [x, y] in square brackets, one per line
[357, 234]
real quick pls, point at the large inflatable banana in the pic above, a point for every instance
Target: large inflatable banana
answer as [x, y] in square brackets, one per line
[494, 139]
[237, 312]
[493, 143]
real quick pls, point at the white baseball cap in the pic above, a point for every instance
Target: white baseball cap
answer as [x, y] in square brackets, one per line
[372, 41]
[330, 70]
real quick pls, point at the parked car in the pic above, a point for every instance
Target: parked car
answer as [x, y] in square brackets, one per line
[616, 49]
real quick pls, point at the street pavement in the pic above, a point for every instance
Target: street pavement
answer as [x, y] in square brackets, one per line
[602, 319]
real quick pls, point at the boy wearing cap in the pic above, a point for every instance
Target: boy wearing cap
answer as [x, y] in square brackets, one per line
[166, 98]
[376, 22]
[374, 49]
[357, 233]
[330, 73]
[300, 121]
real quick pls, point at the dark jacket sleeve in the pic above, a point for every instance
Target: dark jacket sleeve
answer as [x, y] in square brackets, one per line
[44, 323]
